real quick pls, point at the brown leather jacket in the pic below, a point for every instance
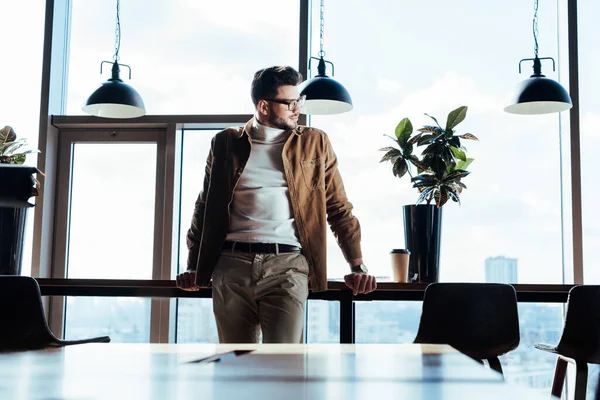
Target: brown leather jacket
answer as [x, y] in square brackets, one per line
[316, 193]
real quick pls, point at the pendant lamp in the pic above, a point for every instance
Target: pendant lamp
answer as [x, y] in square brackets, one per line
[324, 95]
[538, 94]
[115, 99]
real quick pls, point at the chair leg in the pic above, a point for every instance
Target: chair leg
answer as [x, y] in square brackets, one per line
[581, 380]
[560, 372]
[495, 365]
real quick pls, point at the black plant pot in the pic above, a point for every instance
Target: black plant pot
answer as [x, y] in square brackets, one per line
[12, 235]
[16, 187]
[423, 235]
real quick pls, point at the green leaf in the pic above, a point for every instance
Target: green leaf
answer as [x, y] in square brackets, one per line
[456, 117]
[424, 194]
[441, 197]
[430, 128]
[426, 139]
[425, 179]
[400, 167]
[391, 155]
[414, 139]
[458, 153]
[403, 131]
[455, 141]
[469, 136]
[464, 164]
[435, 120]
[453, 195]
[417, 163]
[454, 175]
[7, 134]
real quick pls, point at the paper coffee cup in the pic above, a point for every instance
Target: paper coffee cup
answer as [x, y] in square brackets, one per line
[400, 264]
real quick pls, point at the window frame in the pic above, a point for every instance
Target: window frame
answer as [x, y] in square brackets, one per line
[58, 131]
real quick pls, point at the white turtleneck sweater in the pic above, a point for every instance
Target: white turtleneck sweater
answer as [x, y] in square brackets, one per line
[261, 211]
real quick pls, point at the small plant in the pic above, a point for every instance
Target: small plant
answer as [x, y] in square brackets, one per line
[13, 150]
[443, 163]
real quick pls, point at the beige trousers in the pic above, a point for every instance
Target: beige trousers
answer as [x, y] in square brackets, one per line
[257, 291]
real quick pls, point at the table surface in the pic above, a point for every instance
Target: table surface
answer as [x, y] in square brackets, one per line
[190, 371]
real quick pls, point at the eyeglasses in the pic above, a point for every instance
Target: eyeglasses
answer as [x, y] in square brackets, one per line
[292, 104]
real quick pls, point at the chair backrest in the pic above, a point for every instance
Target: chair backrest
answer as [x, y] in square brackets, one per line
[22, 321]
[581, 333]
[478, 319]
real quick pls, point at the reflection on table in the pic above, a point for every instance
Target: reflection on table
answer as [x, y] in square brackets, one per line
[205, 371]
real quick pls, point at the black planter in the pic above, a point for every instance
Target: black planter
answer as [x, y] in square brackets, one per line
[423, 236]
[16, 187]
[12, 235]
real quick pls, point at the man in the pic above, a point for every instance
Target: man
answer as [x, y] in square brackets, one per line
[259, 224]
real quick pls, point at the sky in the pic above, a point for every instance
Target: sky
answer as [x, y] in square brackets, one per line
[397, 59]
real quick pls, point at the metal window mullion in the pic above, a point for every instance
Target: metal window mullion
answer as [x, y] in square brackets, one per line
[52, 100]
[163, 232]
[303, 45]
[58, 268]
[575, 144]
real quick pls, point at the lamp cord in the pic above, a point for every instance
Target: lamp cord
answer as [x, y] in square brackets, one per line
[322, 11]
[535, 27]
[117, 34]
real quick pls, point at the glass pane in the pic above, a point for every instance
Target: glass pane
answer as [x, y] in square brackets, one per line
[196, 147]
[539, 323]
[386, 321]
[124, 319]
[398, 322]
[187, 57]
[589, 84]
[20, 82]
[435, 71]
[322, 321]
[196, 321]
[111, 230]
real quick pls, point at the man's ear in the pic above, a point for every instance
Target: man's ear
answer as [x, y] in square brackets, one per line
[263, 107]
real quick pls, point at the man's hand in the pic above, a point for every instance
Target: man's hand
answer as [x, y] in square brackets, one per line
[360, 283]
[187, 281]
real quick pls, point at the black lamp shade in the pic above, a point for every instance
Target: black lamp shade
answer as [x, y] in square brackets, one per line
[538, 95]
[324, 96]
[115, 99]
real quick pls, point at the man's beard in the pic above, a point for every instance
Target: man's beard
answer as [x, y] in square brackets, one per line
[282, 123]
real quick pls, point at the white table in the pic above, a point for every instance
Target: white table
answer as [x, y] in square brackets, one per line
[288, 372]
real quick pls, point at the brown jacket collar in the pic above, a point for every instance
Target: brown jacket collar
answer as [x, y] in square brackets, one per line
[248, 127]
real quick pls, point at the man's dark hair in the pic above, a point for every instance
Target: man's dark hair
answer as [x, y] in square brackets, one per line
[267, 81]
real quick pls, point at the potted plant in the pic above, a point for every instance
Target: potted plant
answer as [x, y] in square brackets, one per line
[17, 185]
[440, 168]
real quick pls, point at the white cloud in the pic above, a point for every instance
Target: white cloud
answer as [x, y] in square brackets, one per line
[250, 17]
[388, 86]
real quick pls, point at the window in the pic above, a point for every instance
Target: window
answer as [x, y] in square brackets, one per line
[196, 148]
[425, 58]
[322, 321]
[589, 83]
[124, 319]
[106, 225]
[111, 224]
[398, 322]
[196, 321]
[20, 82]
[187, 56]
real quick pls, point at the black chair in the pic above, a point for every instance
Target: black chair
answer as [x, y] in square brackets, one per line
[480, 320]
[23, 324]
[580, 340]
